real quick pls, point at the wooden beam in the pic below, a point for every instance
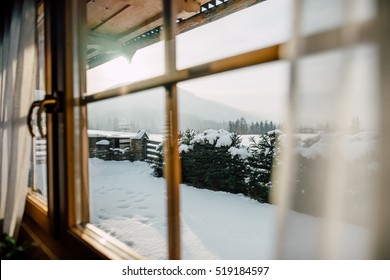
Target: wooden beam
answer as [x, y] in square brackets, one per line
[130, 46]
[256, 57]
[218, 12]
[156, 20]
[111, 17]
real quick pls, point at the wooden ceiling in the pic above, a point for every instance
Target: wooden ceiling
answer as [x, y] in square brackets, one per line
[121, 27]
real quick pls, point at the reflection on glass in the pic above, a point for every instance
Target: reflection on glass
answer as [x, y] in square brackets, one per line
[126, 199]
[231, 128]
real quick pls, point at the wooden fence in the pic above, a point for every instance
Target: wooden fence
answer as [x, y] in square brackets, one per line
[40, 150]
[119, 149]
[151, 150]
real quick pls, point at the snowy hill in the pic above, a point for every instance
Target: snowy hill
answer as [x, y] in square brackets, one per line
[146, 111]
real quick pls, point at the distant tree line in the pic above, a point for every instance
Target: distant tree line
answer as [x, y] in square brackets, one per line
[242, 127]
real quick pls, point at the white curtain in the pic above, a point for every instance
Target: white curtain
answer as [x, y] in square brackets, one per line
[17, 70]
[329, 184]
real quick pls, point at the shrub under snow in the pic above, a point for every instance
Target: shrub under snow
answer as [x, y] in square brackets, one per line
[216, 160]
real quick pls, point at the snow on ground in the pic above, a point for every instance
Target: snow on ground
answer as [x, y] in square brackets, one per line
[130, 204]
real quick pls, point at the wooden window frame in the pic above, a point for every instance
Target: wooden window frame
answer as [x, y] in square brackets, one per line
[64, 221]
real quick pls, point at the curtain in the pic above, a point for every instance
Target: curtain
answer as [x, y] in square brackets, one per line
[17, 70]
[328, 185]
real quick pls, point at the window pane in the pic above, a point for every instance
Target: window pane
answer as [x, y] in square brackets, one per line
[322, 78]
[226, 211]
[39, 157]
[126, 200]
[123, 42]
[318, 15]
[258, 26]
[336, 155]
[38, 164]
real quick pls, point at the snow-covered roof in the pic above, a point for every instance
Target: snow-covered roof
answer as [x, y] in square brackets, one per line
[103, 142]
[116, 134]
[111, 134]
[141, 134]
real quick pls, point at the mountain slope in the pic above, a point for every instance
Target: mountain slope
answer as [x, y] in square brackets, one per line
[146, 111]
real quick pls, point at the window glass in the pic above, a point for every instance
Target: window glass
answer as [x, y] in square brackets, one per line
[257, 26]
[230, 132]
[126, 200]
[38, 164]
[320, 15]
[323, 76]
[336, 154]
[117, 34]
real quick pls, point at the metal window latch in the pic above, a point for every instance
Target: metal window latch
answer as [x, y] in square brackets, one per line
[49, 105]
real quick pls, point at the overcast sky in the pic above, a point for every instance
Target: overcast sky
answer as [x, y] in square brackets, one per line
[263, 89]
[260, 89]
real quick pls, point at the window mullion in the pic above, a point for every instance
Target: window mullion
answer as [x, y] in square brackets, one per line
[54, 46]
[172, 165]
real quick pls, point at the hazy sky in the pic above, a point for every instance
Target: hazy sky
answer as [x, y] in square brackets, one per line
[263, 89]
[260, 89]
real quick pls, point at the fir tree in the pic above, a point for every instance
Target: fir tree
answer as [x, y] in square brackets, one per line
[243, 126]
[158, 163]
[257, 128]
[265, 154]
[252, 128]
[186, 136]
[207, 166]
[231, 126]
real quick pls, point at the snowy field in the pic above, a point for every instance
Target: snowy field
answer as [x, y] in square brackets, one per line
[130, 204]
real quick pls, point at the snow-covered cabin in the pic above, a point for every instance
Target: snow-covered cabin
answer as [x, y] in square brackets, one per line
[102, 144]
[138, 145]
